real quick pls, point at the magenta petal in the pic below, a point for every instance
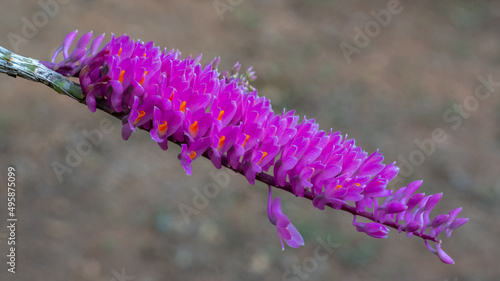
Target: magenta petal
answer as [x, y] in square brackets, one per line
[185, 160]
[389, 172]
[84, 40]
[68, 40]
[289, 163]
[456, 224]
[215, 158]
[296, 239]
[373, 229]
[439, 220]
[116, 95]
[91, 101]
[163, 144]
[76, 55]
[283, 231]
[126, 131]
[375, 188]
[413, 226]
[276, 208]
[96, 43]
[443, 256]
[319, 201]
[376, 230]
[372, 165]
[395, 207]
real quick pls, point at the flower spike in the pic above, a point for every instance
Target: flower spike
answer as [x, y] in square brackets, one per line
[220, 116]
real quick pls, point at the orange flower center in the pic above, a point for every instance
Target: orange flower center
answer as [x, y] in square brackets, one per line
[263, 156]
[220, 115]
[192, 154]
[221, 142]
[163, 128]
[141, 114]
[183, 107]
[246, 139]
[122, 73]
[193, 129]
[143, 77]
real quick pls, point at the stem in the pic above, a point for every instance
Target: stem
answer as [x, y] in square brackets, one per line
[16, 65]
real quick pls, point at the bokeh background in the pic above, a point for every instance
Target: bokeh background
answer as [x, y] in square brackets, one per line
[116, 215]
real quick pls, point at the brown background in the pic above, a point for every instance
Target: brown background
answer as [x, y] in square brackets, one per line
[119, 207]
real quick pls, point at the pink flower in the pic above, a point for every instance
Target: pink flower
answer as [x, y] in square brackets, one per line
[286, 230]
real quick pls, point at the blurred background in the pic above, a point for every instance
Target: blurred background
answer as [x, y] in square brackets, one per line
[388, 73]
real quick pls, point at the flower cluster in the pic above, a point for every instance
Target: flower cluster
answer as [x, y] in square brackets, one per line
[220, 115]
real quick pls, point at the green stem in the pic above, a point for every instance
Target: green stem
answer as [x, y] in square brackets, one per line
[15, 65]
